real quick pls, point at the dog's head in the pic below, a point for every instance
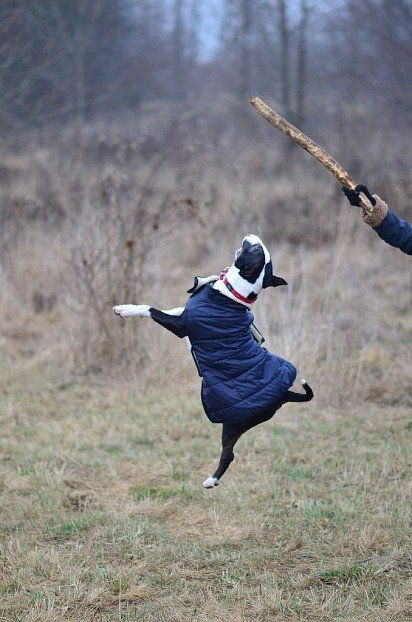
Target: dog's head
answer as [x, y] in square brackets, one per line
[251, 271]
[254, 264]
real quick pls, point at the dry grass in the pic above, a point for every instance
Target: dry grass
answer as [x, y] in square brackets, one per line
[153, 201]
[103, 516]
[104, 445]
[344, 319]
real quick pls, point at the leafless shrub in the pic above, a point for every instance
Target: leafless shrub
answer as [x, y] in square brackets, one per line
[112, 258]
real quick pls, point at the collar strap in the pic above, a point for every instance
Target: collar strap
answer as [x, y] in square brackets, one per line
[234, 293]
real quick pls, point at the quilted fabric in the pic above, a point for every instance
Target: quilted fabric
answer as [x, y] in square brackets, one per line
[239, 377]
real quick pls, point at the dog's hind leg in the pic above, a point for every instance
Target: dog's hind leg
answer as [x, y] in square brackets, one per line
[230, 435]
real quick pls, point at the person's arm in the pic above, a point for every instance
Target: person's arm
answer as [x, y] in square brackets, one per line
[388, 226]
[396, 232]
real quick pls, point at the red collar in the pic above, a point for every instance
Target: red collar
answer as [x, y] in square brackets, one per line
[222, 277]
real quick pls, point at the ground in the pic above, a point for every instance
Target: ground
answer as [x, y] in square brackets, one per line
[103, 516]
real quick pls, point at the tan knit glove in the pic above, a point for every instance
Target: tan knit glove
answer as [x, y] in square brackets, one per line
[377, 213]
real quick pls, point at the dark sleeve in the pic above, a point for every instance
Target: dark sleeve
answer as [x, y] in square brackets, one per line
[175, 323]
[396, 232]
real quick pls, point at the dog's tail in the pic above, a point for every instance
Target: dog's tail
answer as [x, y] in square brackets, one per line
[292, 396]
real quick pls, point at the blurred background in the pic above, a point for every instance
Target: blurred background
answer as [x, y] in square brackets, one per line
[132, 160]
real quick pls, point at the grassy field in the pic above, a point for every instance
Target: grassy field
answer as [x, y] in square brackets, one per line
[103, 516]
[103, 442]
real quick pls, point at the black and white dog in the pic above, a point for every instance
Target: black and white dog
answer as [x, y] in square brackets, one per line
[242, 383]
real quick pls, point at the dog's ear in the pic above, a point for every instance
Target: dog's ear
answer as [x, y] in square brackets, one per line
[275, 281]
[269, 280]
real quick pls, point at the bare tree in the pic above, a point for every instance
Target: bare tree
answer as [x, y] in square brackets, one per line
[76, 26]
[63, 59]
[285, 56]
[178, 51]
[245, 44]
[194, 19]
[377, 63]
[301, 69]
[70, 59]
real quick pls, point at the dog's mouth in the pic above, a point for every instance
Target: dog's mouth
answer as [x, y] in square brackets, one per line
[237, 252]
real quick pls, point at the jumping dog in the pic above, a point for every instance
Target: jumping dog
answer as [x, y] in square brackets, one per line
[243, 384]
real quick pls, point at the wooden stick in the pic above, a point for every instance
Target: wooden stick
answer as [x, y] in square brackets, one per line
[309, 145]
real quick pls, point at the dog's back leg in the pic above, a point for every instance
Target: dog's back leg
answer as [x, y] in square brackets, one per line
[231, 433]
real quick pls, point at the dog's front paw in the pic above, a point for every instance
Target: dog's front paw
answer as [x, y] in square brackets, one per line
[125, 311]
[210, 482]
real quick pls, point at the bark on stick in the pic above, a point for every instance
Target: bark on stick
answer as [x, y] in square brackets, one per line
[309, 145]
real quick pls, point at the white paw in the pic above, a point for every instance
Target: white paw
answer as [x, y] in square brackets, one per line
[210, 482]
[132, 310]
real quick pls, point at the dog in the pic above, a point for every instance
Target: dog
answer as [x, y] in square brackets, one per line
[243, 384]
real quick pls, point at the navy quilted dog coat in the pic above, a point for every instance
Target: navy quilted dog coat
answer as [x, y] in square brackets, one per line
[239, 376]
